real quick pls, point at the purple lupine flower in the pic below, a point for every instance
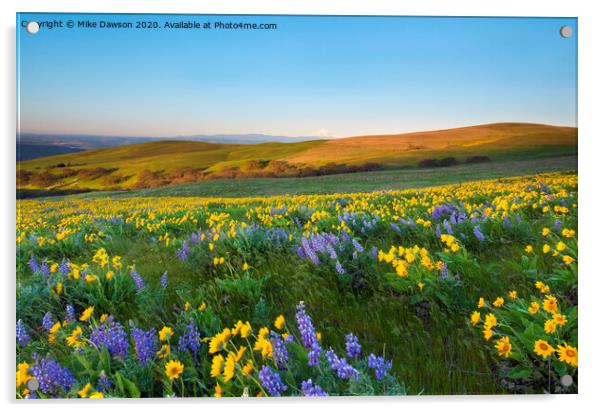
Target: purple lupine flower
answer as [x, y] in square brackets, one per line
[271, 381]
[345, 236]
[438, 230]
[331, 252]
[190, 340]
[104, 383]
[145, 344]
[314, 354]
[306, 327]
[477, 232]
[395, 227]
[279, 351]
[47, 322]
[111, 335]
[33, 264]
[558, 224]
[444, 272]
[309, 389]
[164, 280]
[340, 365]
[339, 268]
[507, 223]
[380, 365]
[352, 345]
[183, 253]
[137, 279]
[448, 227]
[22, 335]
[70, 313]
[51, 376]
[45, 269]
[308, 334]
[357, 246]
[374, 252]
[64, 267]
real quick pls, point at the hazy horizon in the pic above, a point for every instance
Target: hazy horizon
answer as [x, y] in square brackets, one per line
[315, 76]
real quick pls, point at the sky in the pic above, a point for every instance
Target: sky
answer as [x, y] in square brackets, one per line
[312, 76]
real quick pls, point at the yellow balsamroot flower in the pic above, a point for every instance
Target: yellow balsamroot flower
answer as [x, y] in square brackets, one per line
[83, 393]
[230, 367]
[164, 351]
[53, 330]
[420, 286]
[90, 278]
[218, 391]
[481, 303]
[490, 321]
[567, 354]
[245, 266]
[59, 288]
[54, 267]
[75, 339]
[245, 330]
[97, 395]
[550, 304]
[529, 249]
[103, 317]
[264, 346]
[475, 318]
[487, 333]
[401, 269]
[550, 326]
[279, 322]
[545, 231]
[533, 308]
[512, 294]
[109, 275]
[503, 346]
[543, 348]
[560, 246]
[216, 365]
[219, 341]
[87, 313]
[567, 259]
[499, 302]
[165, 333]
[202, 307]
[173, 369]
[240, 352]
[546, 248]
[560, 319]
[23, 373]
[248, 368]
[568, 233]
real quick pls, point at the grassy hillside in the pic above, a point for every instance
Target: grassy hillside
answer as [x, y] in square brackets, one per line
[343, 183]
[162, 163]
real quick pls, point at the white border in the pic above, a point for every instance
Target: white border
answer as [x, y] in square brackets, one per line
[590, 175]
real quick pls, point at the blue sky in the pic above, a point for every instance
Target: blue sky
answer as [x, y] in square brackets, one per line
[338, 76]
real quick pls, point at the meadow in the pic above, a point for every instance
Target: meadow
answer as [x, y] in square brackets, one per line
[465, 288]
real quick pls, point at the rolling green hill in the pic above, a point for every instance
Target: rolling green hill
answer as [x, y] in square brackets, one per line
[161, 163]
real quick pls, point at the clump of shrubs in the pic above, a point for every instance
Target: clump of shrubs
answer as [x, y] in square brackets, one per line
[445, 162]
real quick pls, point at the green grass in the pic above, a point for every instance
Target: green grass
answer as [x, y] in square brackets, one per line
[356, 182]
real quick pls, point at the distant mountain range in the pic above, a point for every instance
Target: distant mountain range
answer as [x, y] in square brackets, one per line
[32, 146]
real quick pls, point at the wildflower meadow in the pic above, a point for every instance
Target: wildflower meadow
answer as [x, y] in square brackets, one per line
[462, 289]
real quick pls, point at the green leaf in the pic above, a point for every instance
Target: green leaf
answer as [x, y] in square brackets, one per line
[519, 372]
